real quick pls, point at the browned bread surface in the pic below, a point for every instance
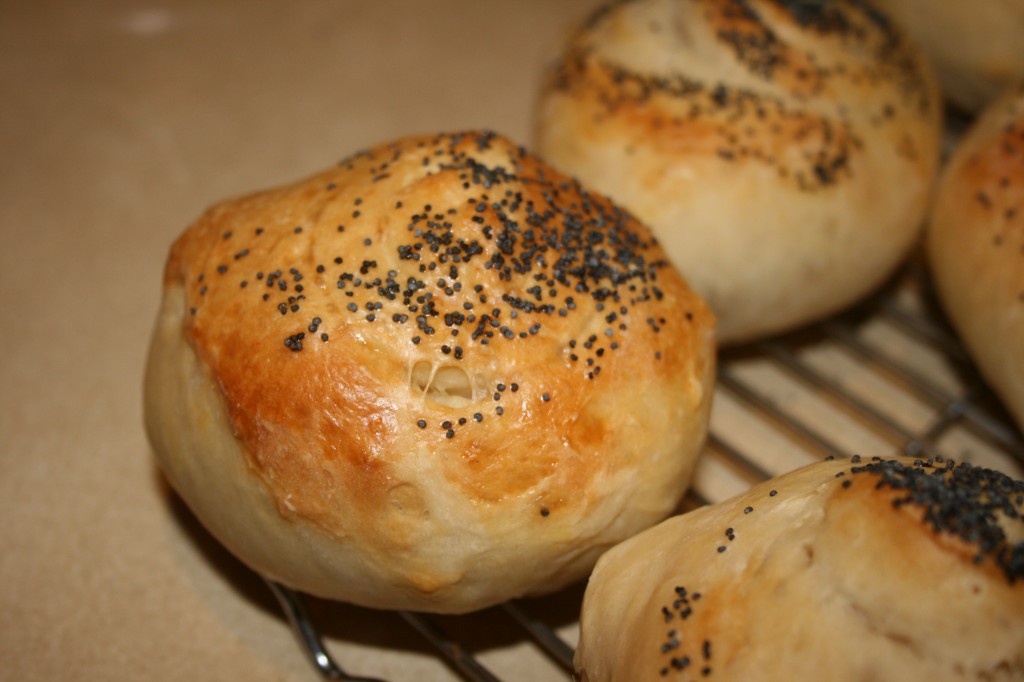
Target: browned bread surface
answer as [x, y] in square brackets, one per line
[975, 246]
[437, 376]
[783, 152]
[890, 570]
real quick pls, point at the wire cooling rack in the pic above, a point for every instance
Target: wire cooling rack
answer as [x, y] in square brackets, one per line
[887, 377]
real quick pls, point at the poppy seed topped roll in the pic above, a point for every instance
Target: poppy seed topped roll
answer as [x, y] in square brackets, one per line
[975, 245]
[436, 377]
[976, 46]
[890, 570]
[783, 152]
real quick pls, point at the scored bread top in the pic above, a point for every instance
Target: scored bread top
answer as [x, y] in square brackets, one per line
[782, 152]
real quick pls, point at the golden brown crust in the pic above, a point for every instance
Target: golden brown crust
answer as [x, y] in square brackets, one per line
[880, 570]
[443, 358]
[782, 152]
[975, 245]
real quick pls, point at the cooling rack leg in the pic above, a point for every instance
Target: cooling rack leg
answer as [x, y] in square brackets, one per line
[308, 635]
[561, 652]
[467, 666]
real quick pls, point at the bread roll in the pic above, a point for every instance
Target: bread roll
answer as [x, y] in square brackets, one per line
[976, 46]
[975, 246]
[889, 571]
[435, 377]
[782, 152]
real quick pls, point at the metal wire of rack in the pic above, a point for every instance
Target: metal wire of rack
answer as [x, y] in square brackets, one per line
[888, 377]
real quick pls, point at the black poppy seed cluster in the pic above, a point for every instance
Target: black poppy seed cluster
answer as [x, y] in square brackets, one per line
[548, 250]
[749, 121]
[972, 503]
[969, 502]
[676, 654]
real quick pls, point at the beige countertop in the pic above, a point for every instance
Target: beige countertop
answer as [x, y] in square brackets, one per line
[122, 121]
